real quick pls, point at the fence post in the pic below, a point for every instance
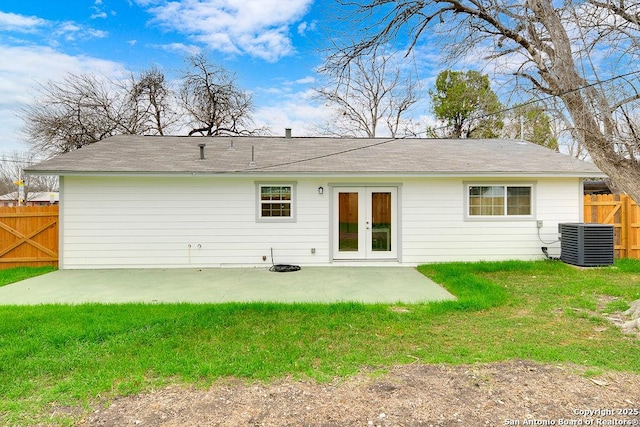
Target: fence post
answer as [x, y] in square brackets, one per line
[625, 226]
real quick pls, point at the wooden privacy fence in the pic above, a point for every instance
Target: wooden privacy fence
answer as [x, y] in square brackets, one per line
[623, 213]
[28, 236]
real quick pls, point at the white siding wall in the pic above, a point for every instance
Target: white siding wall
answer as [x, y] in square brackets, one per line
[150, 222]
[132, 222]
[434, 228]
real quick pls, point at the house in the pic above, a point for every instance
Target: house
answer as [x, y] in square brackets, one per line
[162, 202]
[597, 186]
[39, 198]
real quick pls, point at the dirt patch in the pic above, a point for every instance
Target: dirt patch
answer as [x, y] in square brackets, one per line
[618, 318]
[512, 393]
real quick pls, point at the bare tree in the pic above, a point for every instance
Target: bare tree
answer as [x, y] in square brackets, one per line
[86, 108]
[7, 181]
[213, 102]
[151, 102]
[82, 109]
[148, 103]
[371, 90]
[66, 115]
[554, 45]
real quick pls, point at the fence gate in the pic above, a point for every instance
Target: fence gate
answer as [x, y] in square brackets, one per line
[623, 213]
[28, 236]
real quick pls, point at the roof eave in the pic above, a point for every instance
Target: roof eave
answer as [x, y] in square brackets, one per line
[341, 174]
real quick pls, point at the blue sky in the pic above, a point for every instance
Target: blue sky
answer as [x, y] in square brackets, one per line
[271, 45]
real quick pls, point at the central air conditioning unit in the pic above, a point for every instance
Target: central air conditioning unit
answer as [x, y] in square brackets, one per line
[586, 245]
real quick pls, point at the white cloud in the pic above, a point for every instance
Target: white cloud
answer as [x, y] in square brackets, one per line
[15, 22]
[68, 27]
[306, 80]
[305, 26]
[297, 110]
[30, 66]
[303, 118]
[97, 34]
[68, 30]
[259, 28]
[71, 31]
[285, 89]
[100, 13]
[144, 3]
[269, 45]
[180, 48]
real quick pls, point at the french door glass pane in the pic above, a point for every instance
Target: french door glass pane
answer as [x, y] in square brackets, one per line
[381, 222]
[348, 222]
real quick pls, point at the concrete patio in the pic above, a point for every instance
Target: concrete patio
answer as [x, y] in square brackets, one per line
[310, 284]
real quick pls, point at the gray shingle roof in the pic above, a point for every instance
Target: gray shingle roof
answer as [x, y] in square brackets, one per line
[278, 155]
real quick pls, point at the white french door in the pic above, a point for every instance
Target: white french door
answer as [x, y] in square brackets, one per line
[365, 223]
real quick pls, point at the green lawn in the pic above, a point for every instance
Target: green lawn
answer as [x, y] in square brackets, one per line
[12, 275]
[74, 356]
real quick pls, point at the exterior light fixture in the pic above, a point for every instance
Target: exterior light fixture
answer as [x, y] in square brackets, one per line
[320, 190]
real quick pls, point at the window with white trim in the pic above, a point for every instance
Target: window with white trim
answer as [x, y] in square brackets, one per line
[276, 201]
[491, 200]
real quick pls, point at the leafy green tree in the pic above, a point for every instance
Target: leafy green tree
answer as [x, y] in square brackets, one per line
[465, 102]
[533, 124]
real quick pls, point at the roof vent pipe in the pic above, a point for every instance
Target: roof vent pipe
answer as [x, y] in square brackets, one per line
[202, 150]
[287, 132]
[253, 160]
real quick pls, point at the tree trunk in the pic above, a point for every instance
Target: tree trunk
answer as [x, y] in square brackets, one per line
[623, 172]
[590, 111]
[634, 310]
[634, 313]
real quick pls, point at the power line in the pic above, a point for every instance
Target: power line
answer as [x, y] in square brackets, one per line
[14, 160]
[322, 156]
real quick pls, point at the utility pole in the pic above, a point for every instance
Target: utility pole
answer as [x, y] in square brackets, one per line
[20, 188]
